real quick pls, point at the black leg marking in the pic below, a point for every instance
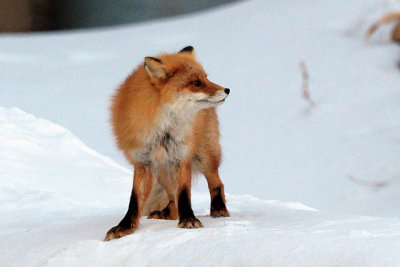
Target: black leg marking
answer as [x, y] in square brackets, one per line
[184, 206]
[129, 222]
[218, 208]
[166, 210]
[186, 216]
[161, 214]
[132, 213]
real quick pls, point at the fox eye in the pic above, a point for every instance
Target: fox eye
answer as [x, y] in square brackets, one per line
[196, 83]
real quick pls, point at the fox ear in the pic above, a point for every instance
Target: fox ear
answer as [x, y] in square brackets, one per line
[188, 50]
[155, 69]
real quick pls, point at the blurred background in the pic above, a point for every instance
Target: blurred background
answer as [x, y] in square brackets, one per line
[46, 15]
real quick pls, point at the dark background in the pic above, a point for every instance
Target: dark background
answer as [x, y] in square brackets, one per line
[44, 15]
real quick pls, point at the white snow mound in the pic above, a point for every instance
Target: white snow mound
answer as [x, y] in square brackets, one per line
[58, 199]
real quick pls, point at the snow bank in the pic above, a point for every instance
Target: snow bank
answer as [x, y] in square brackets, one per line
[259, 233]
[43, 162]
[59, 197]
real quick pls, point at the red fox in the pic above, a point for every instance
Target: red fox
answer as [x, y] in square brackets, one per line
[165, 122]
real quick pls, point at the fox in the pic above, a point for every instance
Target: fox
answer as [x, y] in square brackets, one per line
[164, 120]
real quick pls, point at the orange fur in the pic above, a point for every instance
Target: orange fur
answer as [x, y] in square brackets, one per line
[164, 120]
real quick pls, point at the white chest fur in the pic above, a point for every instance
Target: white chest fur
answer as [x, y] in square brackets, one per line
[165, 147]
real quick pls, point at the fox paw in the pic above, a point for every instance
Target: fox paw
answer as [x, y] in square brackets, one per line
[119, 231]
[190, 222]
[215, 213]
[157, 214]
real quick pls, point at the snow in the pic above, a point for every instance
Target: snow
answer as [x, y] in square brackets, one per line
[333, 169]
[58, 206]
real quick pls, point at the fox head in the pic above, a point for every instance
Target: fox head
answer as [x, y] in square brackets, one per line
[183, 82]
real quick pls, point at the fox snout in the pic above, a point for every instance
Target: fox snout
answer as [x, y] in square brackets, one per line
[219, 96]
[227, 91]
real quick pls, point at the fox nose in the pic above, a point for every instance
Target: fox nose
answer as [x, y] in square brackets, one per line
[227, 90]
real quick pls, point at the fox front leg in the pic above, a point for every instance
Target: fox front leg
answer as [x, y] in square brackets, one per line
[186, 215]
[142, 183]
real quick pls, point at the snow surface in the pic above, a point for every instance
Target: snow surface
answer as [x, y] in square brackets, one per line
[58, 197]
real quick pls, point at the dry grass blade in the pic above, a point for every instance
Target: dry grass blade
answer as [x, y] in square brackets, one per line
[368, 183]
[305, 88]
[396, 33]
[389, 17]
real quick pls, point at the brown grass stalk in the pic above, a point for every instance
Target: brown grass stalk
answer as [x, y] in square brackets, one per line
[305, 88]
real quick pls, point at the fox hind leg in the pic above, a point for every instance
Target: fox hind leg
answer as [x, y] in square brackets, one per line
[170, 212]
